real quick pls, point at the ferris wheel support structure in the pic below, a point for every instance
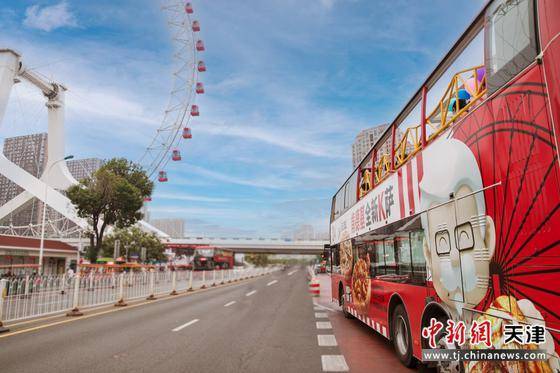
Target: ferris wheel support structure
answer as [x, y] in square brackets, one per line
[180, 107]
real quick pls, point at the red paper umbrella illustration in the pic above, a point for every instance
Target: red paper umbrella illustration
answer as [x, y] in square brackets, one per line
[513, 142]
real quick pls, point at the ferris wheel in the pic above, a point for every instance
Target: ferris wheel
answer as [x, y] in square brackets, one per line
[181, 108]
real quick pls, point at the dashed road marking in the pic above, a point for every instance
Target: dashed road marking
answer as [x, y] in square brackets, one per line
[323, 325]
[250, 293]
[319, 315]
[229, 303]
[324, 307]
[334, 363]
[326, 340]
[291, 273]
[272, 282]
[180, 327]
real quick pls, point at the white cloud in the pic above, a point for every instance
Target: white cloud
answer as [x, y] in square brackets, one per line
[267, 182]
[194, 211]
[188, 197]
[49, 18]
[280, 139]
[327, 3]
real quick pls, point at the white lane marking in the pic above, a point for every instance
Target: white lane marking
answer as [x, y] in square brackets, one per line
[272, 282]
[325, 340]
[324, 307]
[250, 293]
[319, 315]
[229, 303]
[185, 325]
[323, 325]
[334, 363]
[291, 273]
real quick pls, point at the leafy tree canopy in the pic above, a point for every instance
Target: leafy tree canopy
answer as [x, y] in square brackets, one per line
[113, 195]
[259, 260]
[132, 240]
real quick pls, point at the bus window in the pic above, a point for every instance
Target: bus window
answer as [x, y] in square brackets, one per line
[418, 259]
[404, 260]
[390, 263]
[351, 190]
[510, 40]
[377, 258]
[470, 57]
[339, 203]
[336, 259]
[366, 176]
[409, 133]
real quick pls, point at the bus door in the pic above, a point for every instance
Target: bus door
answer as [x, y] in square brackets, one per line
[444, 258]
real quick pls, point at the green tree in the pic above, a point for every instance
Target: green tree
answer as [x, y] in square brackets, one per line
[113, 195]
[132, 240]
[258, 260]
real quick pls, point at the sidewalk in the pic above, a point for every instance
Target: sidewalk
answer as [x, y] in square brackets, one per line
[363, 348]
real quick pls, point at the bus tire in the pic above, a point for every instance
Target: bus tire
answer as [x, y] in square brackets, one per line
[400, 335]
[447, 366]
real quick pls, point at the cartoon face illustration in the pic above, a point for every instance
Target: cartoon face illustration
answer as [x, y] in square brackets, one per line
[459, 236]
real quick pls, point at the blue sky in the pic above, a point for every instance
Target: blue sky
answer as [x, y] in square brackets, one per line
[289, 84]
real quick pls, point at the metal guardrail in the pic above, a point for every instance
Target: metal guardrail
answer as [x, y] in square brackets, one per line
[33, 296]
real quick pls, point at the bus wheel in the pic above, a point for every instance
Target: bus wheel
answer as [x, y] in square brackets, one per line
[402, 340]
[441, 342]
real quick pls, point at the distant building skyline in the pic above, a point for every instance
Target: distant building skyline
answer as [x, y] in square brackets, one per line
[83, 168]
[307, 232]
[174, 227]
[364, 140]
[30, 153]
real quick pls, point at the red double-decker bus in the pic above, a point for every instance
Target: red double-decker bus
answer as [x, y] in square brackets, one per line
[454, 213]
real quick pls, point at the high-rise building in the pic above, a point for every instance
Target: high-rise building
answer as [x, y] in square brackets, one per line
[175, 228]
[30, 153]
[368, 137]
[304, 232]
[83, 168]
[364, 141]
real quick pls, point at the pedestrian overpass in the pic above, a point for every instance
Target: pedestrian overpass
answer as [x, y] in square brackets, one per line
[252, 245]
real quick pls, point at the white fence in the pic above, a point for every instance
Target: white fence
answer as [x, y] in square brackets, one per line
[32, 296]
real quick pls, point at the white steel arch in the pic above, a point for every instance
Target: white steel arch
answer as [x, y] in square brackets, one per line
[56, 175]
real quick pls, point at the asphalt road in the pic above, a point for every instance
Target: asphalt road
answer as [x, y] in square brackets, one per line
[269, 328]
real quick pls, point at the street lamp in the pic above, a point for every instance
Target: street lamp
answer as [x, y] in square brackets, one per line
[42, 244]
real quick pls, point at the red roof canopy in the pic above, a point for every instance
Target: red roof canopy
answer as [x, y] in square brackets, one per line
[33, 243]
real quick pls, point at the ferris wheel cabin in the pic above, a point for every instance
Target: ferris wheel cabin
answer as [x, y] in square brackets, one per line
[201, 66]
[176, 155]
[187, 133]
[162, 178]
